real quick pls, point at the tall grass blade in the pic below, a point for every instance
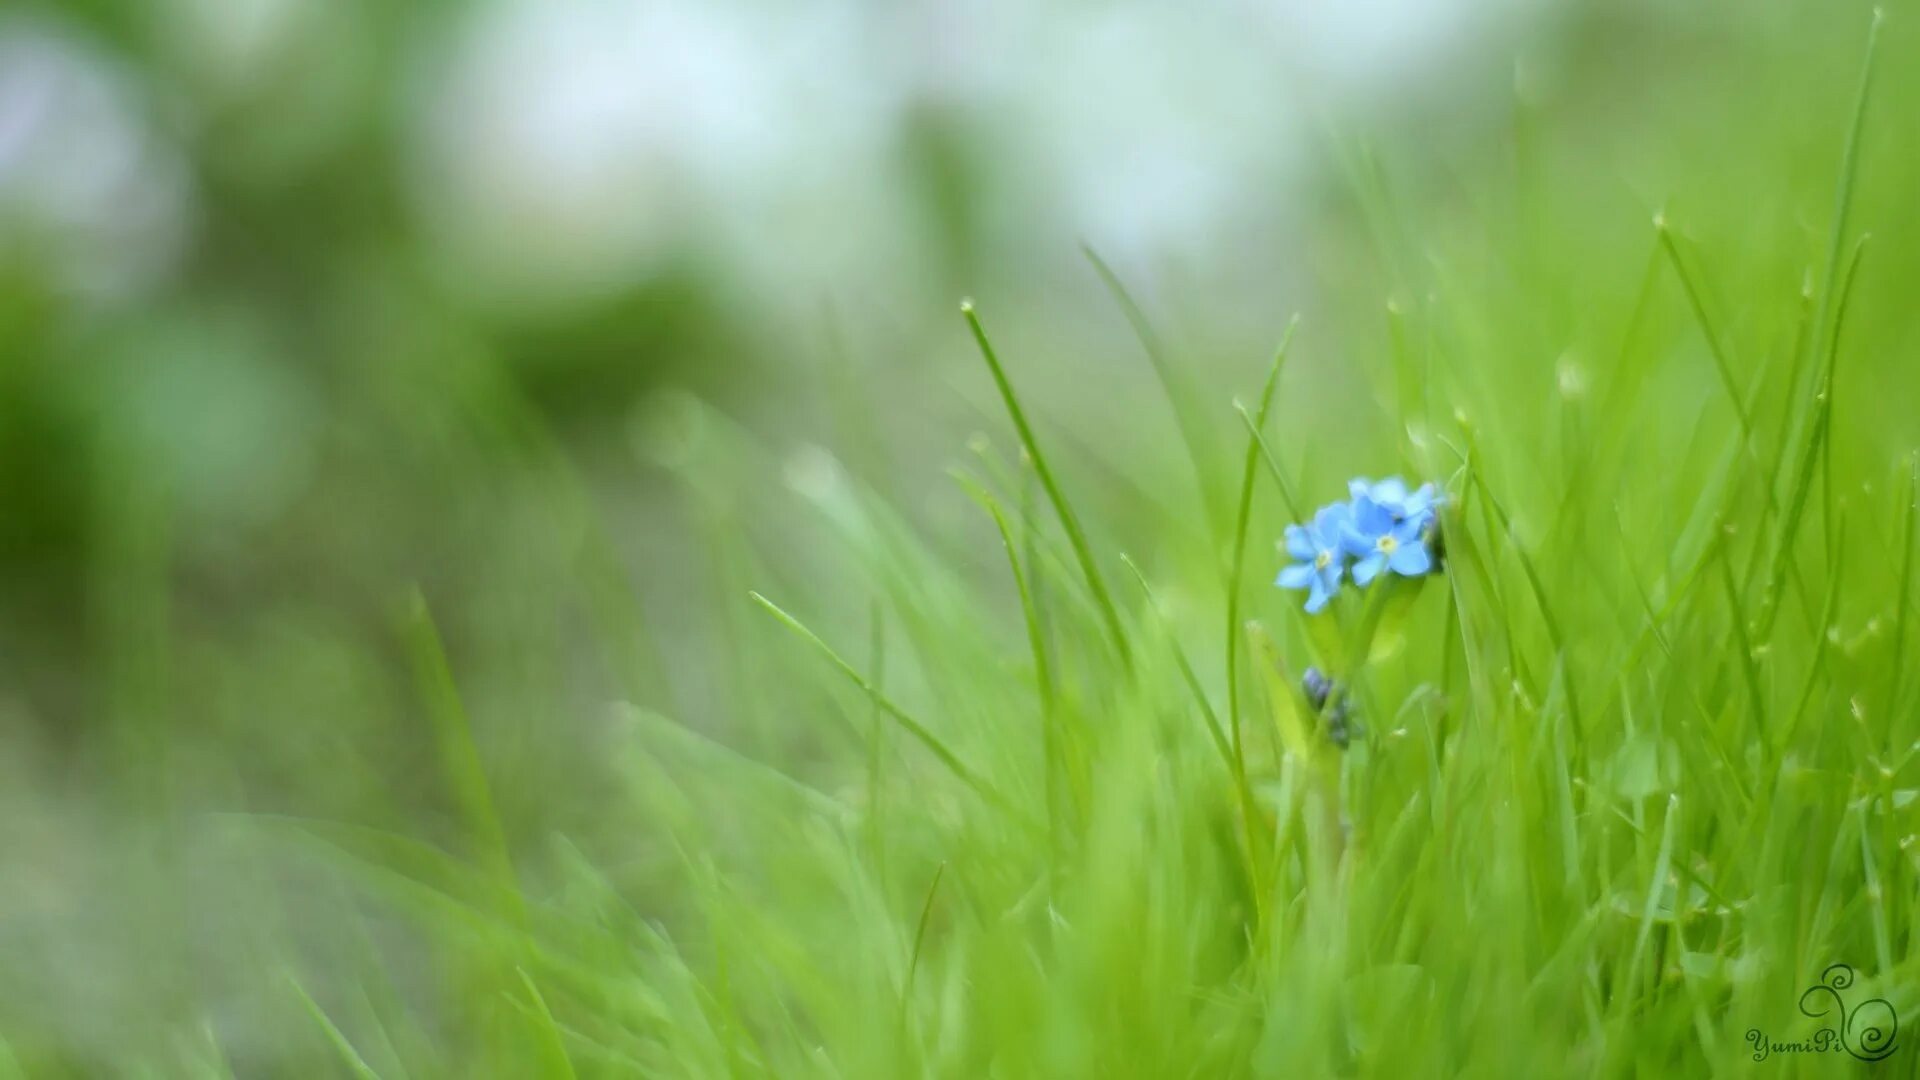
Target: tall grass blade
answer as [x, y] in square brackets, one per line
[349, 1057]
[1036, 641]
[453, 736]
[551, 1045]
[1082, 551]
[912, 726]
[1242, 519]
[1810, 454]
[1178, 391]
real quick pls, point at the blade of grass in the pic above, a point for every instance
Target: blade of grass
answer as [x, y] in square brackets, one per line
[1179, 392]
[348, 1055]
[1817, 666]
[1045, 557]
[1849, 171]
[1214, 734]
[552, 1045]
[1777, 459]
[1809, 456]
[876, 745]
[1721, 364]
[453, 736]
[1272, 462]
[1534, 583]
[1901, 604]
[1242, 519]
[1749, 671]
[1833, 297]
[1658, 880]
[1082, 551]
[1036, 641]
[913, 727]
[1249, 850]
[919, 943]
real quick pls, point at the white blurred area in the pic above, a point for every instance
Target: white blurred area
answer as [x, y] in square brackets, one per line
[556, 150]
[89, 191]
[564, 146]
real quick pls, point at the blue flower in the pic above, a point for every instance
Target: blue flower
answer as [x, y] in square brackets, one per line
[1321, 561]
[1384, 527]
[1392, 495]
[1379, 541]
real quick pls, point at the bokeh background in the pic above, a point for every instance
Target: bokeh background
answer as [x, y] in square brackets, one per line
[548, 310]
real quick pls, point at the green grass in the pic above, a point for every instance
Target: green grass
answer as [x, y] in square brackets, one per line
[1634, 772]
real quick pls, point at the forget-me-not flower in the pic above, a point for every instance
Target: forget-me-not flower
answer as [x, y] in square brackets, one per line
[1392, 495]
[1378, 541]
[1382, 527]
[1321, 561]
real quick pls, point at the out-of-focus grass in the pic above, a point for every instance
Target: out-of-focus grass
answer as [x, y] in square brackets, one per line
[967, 801]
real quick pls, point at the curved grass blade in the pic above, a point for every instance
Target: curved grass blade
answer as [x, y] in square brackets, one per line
[1179, 393]
[1810, 455]
[1833, 297]
[552, 1044]
[1272, 462]
[1214, 734]
[920, 940]
[1656, 881]
[453, 735]
[1051, 749]
[1256, 877]
[1903, 598]
[1236, 568]
[1843, 187]
[913, 727]
[1534, 583]
[1722, 365]
[349, 1057]
[1083, 552]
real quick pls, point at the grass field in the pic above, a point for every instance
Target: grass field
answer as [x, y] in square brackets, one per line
[1016, 776]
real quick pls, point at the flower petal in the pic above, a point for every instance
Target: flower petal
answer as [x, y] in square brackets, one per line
[1300, 545]
[1390, 492]
[1318, 597]
[1410, 560]
[1297, 576]
[1369, 568]
[1330, 573]
[1370, 518]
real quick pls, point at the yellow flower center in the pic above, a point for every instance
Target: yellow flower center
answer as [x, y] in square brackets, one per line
[1323, 560]
[1387, 543]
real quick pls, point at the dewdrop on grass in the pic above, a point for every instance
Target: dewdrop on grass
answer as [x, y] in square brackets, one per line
[1572, 378]
[812, 472]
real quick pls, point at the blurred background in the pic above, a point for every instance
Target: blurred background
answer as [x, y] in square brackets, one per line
[546, 310]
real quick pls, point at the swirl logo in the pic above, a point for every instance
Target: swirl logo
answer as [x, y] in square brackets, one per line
[1866, 1030]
